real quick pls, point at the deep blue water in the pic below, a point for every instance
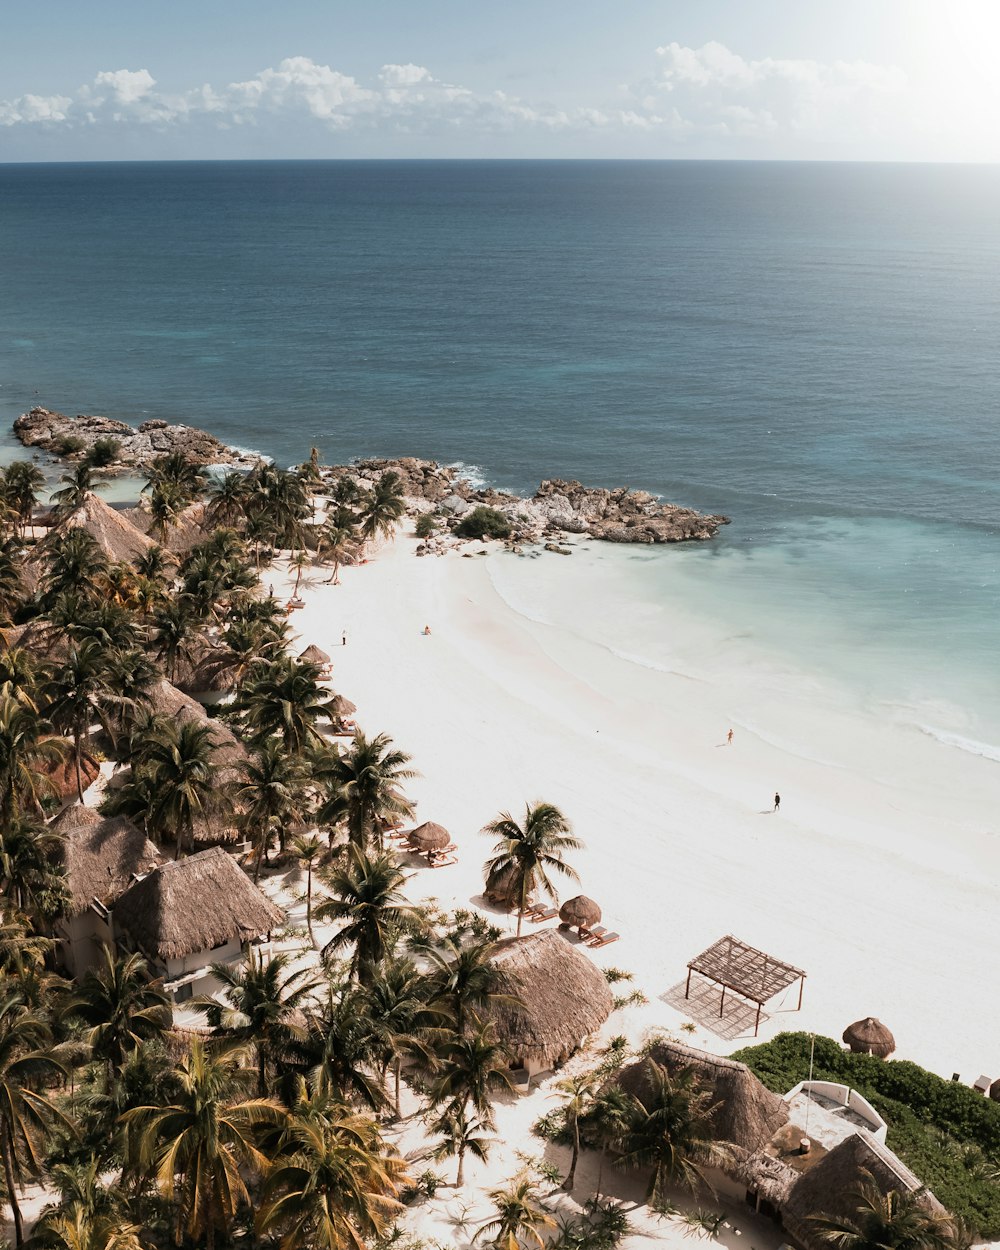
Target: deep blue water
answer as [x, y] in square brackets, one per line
[811, 348]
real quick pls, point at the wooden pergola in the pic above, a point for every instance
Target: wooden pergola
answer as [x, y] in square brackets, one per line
[753, 974]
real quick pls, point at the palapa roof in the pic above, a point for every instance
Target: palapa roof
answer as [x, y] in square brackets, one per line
[179, 538]
[195, 904]
[750, 972]
[166, 700]
[830, 1188]
[113, 532]
[429, 836]
[747, 1114]
[502, 886]
[580, 911]
[555, 997]
[61, 773]
[100, 856]
[870, 1037]
[208, 669]
[313, 655]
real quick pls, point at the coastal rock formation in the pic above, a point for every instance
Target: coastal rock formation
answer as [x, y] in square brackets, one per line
[72, 437]
[620, 515]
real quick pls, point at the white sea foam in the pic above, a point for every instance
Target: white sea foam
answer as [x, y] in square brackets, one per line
[986, 749]
[474, 474]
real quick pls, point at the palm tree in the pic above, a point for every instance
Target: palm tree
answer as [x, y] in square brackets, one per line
[605, 1121]
[12, 588]
[78, 483]
[382, 507]
[461, 1135]
[176, 630]
[25, 744]
[167, 502]
[339, 1050]
[338, 540]
[577, 1094]
[174, 469]
[22, 482]
[284, 699]
[89, 1216]
[333, 1184]
[519, 1217]
[670, 1130]
[76, 565]
[280, 499]
[299, 561]
[227, 500]
[26, 1062]
[365, 782]
[30, 875]
[464, 980]
[155, 563]
[471, 1066]
[271, 795]
[400, 1019]
[123, 1007]
[532, 850]
[78, 692]
[901, 1220]
[201, 1147]
[307, 849]
[182, 782]
[367, 895]
[266, 1003]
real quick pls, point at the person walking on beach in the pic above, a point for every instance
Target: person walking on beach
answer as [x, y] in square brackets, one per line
[777, 800]
[427, 630]
[343, 639]
[729, 738]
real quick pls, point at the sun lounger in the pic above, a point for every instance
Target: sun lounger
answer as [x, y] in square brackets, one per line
[530, 909]
[548, 913]
[605, 940]
[440, 863]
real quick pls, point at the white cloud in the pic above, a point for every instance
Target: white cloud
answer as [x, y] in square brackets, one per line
[127, 86]
[34, 108]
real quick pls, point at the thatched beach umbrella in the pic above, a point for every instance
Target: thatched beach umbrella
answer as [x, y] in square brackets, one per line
[870, 1037]
[429, 837]
[503, 887]
[580, 912]
[341, 708]
[313, 655]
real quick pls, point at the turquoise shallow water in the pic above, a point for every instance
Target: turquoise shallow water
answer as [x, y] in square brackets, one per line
[812, 349]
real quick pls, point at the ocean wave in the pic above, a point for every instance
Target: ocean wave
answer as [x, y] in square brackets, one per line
[986, 749]
[474, 474]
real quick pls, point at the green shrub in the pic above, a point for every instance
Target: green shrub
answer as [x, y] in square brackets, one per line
[68, 445]
[945, 1132]
[426, 525]
[483, 523]
[103, 452]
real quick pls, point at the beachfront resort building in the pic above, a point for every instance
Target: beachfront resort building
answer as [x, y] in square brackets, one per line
[189, 914]
[554, 999]
[101, 858]
[793, 1156]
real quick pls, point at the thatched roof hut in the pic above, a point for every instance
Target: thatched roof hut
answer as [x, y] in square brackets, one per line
[830, 1188]
[771, 1179]
[314, 655]
[195, 904]
[501, 888]
[870, 1037]
[209, 670]
[580, 912]
[553, 998]
[61, 773]
[113, 532]
[100, 856]
[429, 837]
[747, 1114]
[179, 538]
[166, 700]
[340, 708]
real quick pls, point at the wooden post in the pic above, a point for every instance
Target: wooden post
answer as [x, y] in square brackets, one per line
[756, 1027]
[802, 986]
[722, 1002]
[687, 988]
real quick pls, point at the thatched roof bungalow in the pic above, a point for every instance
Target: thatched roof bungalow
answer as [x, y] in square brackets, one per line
[113, 532]
[831, 1186]
[207, 675]
[101, 856]
[746, 1115]
[61, 773]
[553, 998]
[194, 907]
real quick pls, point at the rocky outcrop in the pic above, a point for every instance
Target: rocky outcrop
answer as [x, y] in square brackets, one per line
[620, 515]
[72, 437]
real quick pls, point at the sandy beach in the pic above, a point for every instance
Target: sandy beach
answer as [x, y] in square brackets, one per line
[876, 876]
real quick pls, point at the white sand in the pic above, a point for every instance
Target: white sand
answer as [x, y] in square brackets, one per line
[879, 881]
[872, 878]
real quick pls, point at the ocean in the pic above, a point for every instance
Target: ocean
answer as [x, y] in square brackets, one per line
[812, 349]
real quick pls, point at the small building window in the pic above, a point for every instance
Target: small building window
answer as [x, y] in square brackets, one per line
[183, 993]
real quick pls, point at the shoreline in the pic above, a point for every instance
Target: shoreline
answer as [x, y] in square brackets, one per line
[498, 709]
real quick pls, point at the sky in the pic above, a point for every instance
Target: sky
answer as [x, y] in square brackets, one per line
[910, 80]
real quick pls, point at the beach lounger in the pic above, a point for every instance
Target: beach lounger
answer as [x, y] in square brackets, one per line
[440, 863]
[605, 940]
[593, 933]
[548, 913]
[530, 909]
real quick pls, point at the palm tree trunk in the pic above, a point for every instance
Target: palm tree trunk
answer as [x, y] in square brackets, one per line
[523, 895]
[309, 901]
[79, 772]
[460, 1177]
[399, 1112]
[571, 1174]
[15, 1210]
